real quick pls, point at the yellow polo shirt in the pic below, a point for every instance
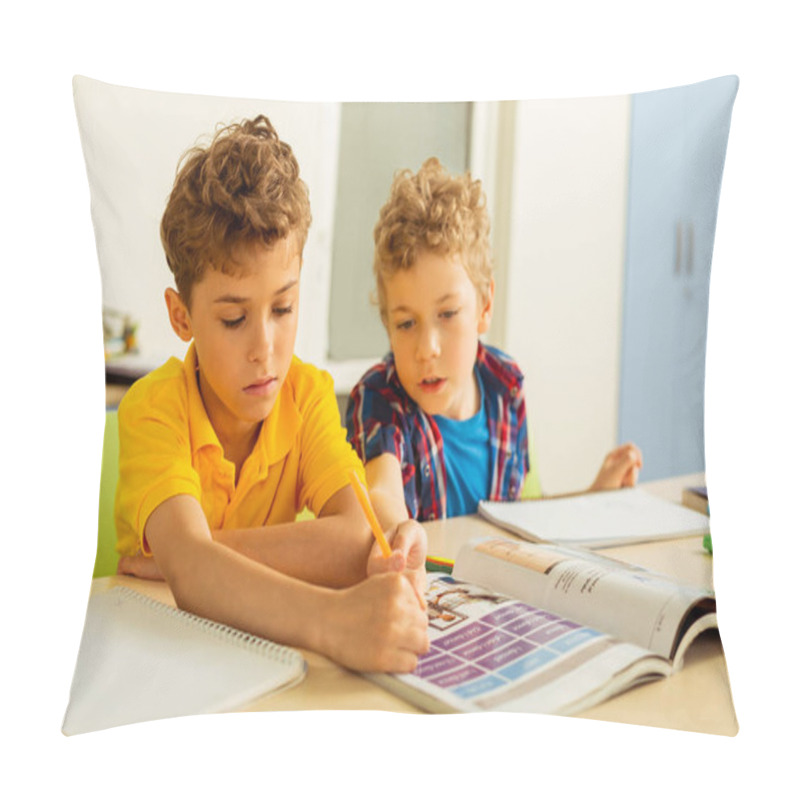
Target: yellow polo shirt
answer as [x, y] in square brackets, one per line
[167, 447]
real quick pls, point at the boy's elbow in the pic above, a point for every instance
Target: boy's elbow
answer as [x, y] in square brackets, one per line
[185, 571]
[355, 551]
[179, 579]
[190, 583]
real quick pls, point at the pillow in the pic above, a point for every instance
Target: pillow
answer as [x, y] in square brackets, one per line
[603, 217]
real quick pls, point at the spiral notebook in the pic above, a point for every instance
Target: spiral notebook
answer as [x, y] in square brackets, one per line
[142, 660]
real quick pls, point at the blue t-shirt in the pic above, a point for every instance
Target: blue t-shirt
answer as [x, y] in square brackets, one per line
[466, 459]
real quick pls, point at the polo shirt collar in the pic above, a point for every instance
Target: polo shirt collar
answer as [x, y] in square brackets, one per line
[200, 428]
[278, 431]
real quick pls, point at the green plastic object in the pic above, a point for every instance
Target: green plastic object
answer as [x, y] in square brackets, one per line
[707, 537]
[532, 488]
[106, 559]
[433, 564]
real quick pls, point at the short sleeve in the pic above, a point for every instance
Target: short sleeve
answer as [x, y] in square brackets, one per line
[326, 456]
[155, 462]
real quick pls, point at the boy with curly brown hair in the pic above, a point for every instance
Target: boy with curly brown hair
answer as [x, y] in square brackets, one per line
[441, 422]
[218, 453]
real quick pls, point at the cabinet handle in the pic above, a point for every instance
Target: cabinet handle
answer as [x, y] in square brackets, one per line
[690, 248]
[678, 247]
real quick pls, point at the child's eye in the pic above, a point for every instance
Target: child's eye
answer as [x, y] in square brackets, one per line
[282, 311]
[405, 325]
[233, 323]
[449, 314]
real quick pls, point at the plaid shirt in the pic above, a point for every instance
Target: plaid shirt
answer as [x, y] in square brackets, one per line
[382, 418]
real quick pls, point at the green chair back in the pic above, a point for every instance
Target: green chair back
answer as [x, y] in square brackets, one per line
[107, 557]
[532, 488]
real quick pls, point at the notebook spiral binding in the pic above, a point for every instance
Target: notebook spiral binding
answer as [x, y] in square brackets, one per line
[249, 641]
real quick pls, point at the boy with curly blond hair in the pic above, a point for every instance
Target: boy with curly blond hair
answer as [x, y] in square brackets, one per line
[219, 453]
[440, 422]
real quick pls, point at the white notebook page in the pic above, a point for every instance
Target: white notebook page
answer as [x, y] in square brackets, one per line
[142, 660]
[596, 518]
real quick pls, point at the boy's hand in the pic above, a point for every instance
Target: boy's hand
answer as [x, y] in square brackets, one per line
[409, 545]
[620, 468]
[375, 626]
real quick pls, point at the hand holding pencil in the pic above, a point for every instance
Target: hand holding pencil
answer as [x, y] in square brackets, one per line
[408, 545]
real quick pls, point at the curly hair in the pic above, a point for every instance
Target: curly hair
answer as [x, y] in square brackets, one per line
[243, 188]
[436, 212]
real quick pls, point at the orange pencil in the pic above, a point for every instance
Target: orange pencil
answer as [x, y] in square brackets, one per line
[366, 507]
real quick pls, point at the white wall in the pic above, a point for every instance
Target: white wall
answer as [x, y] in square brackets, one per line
[563, 288]
[132, 140]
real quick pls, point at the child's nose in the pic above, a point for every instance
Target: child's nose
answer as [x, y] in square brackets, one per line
[428, 343]
[261, 343]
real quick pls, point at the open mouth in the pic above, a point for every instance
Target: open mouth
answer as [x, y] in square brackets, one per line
[431, 384]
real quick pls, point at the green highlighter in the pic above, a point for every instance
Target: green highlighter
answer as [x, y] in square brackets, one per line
[707, 537]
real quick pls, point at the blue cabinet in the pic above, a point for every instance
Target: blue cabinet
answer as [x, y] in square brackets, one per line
[678, 142]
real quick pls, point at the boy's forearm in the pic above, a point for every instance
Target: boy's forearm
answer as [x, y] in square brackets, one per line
[389, 509]
[372, 626]
[327, 551]
[213, 581]
[385, 481]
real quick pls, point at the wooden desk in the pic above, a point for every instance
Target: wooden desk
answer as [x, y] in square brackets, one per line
[698, 698]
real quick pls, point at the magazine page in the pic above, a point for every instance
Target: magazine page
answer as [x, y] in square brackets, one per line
[492, 652]
[629, 603]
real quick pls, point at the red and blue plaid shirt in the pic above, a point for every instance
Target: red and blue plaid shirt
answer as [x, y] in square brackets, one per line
[382, 418]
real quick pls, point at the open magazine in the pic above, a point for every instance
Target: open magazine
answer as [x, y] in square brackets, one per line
[545, 628]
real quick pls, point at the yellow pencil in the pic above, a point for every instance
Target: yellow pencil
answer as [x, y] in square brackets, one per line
[366, 507]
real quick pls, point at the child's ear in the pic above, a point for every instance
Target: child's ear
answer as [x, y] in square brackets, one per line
[486, 306]
[178, 315]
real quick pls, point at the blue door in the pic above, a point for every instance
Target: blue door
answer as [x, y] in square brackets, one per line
[678, 142]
